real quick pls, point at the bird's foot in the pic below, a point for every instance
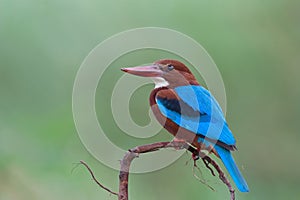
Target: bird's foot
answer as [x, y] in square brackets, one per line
[195, 156]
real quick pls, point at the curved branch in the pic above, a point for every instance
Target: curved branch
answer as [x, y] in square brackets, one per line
[134, 153]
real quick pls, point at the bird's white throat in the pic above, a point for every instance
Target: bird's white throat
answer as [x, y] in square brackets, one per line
[160, 82]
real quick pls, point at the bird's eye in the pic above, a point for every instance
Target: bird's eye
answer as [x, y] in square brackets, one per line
[170, 67]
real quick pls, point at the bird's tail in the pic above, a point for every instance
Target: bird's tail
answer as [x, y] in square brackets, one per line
[231, 167]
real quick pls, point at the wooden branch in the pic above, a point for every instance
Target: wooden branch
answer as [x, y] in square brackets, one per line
[95, 179]
[134, 153]
[221, 175]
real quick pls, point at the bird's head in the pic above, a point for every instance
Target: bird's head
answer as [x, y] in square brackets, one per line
[165, 73]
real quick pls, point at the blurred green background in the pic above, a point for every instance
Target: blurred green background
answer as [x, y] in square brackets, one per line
[255, 44]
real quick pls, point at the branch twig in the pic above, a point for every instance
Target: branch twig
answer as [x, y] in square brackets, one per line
[95, 179]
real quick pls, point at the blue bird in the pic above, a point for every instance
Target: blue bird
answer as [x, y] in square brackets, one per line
[190, 112]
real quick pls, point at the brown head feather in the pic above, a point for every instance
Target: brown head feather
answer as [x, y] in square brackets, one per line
[177, 64]
[183, 75]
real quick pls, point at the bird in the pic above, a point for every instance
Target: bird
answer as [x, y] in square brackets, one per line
[190, 112]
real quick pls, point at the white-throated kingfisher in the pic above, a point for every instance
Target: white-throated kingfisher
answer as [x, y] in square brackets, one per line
[189, 112]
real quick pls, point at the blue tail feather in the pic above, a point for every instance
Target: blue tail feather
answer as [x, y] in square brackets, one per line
[232, 168]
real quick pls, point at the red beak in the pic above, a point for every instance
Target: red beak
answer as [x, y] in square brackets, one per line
[145, 71]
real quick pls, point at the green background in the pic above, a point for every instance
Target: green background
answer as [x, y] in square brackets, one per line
[255, 44]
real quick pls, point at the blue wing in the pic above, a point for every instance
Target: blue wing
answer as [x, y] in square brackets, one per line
[209, 121]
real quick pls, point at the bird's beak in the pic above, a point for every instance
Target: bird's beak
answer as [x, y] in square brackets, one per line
[145, 71]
